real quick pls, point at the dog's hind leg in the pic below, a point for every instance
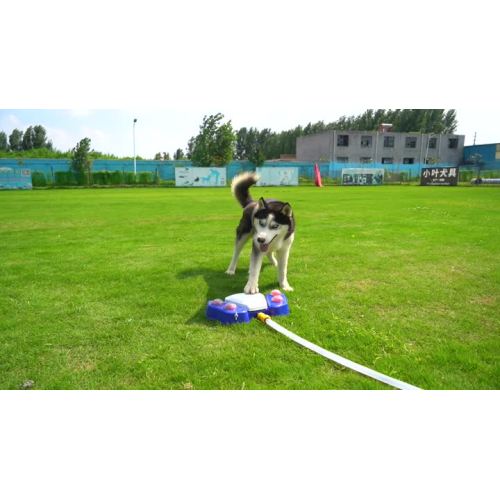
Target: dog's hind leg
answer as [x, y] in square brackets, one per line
[238, 246]
[272, 259]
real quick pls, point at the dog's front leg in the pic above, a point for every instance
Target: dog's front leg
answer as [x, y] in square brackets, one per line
[240, 242]
[283, 254]
[252, 285]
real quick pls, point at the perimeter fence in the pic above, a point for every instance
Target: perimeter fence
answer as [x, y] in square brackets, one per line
[57, 173]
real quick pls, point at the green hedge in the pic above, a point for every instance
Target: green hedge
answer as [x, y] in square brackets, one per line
[38, 179]
[99, 178]
[116, 178]
[66, 179]
[145, 178]
[129, 178]
[102, 178]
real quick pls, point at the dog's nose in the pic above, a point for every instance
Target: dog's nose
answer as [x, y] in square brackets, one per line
[261, 240]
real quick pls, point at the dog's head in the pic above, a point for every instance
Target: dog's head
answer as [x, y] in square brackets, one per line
[272, 221]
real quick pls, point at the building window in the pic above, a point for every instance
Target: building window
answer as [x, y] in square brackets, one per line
[408, 161]
[453, 143]
[497, 154]
[432, 142]
[389, 141]
[366, 141]
[387, 161]
[411, 142]
[430, 161]
[366, 159]
[343, 140]
[342, 159]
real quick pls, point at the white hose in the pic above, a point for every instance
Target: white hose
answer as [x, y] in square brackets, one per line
[335, 357]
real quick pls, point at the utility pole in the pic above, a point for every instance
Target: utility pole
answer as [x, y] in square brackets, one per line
[135, 164]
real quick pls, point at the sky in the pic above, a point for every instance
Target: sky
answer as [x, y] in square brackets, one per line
[111, 131]
[270, 63]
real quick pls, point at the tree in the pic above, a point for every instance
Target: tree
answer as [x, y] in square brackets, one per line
[28, 139]
[254, 146]
[223, 148]
[179, 154]
[158, 156]
[190, 147]
[450, 121]
[214, 145]
[15, 140]
[81, 164]
[40, 137]
[241, 144]
[4, 145]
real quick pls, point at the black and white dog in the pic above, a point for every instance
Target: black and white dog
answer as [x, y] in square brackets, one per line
[272, 226]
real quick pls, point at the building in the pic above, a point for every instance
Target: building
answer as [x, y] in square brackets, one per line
[487, 154]
[382, 147]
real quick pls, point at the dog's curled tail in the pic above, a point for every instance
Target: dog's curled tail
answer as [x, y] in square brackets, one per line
[240, 187]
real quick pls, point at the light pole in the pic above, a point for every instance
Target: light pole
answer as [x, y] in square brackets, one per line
[135, 164]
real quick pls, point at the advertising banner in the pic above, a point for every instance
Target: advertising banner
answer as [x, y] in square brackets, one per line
[362, 176]
[200, 176]
[278, 176]
[439, 176]
[15, 178]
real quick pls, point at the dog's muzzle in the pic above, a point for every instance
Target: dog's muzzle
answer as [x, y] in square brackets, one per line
[263, 246]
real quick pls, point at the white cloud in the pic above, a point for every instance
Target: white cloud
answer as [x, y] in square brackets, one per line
[61, 138]
[100, 140]
[10, 122]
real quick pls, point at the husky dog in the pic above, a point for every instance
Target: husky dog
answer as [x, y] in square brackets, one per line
[271, 225]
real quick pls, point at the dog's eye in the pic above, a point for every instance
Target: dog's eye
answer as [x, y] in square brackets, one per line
[262, 222]
[274, 226]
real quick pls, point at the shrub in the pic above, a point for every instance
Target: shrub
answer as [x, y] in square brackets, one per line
[66, 179]
[129, 178]
[38, 179]
[116, 178]
[102, 178]
[145, 178]
[465, 175]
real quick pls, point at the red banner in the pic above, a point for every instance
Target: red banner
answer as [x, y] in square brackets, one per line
[317, 176]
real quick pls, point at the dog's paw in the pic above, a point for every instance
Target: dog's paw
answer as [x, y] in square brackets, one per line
[231, 272]
[286, 287]
[251, 288]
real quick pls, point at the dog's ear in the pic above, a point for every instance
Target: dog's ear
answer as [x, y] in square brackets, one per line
[286, 209]
[262, 204]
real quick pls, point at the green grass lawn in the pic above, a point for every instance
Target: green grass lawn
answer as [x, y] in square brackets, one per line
[106, 289]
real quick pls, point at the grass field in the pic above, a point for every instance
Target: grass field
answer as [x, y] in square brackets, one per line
[106, 289]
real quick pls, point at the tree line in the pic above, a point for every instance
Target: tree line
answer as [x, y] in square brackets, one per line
[32, 138]
[259, 145]
[34, 143]
[217, 143]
